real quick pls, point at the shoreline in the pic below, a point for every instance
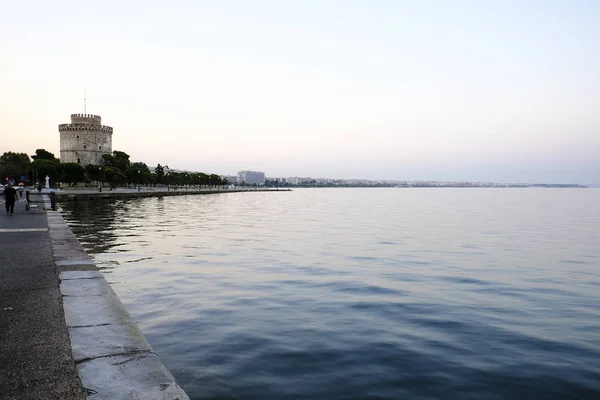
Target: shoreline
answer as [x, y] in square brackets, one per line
[112, 357]
[66, 195]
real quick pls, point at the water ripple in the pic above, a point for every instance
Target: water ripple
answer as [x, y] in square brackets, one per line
[361, 293]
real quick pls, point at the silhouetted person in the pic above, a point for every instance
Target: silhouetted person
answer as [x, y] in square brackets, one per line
[10, 196]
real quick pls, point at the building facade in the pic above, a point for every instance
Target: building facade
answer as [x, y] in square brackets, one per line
[251, 177]
[85, 140]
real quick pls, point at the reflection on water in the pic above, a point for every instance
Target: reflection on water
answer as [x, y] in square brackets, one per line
[361, 293]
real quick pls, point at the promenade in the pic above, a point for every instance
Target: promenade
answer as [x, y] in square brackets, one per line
[91, 193]
[64, 334]
[35, 350]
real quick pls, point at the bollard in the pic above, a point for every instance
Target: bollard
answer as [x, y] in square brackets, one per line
[27, 200]
[53, 201]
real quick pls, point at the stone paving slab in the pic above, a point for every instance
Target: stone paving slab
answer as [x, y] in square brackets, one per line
[136, 376]
[71, 257]
[107, 340]
[69, 275]
[85, 287]
[94, 310]
[77, 267]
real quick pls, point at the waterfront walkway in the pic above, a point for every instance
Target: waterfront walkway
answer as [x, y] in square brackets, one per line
[90, 193]
[35, 350]
[64, 334]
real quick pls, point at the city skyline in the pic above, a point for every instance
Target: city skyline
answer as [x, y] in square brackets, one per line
[390, 90]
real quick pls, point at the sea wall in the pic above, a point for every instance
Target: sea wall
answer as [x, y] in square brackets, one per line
[113, 359]
[107, 194]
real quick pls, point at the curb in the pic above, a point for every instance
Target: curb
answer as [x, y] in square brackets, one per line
[113, 359]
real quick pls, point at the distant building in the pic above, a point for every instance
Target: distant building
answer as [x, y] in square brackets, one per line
[85, 140]
[229, 178]
[251, 177]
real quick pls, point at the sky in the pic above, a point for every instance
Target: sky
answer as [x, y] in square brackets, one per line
[481, 90]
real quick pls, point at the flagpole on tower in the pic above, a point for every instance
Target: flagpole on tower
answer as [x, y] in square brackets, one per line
[85, 101]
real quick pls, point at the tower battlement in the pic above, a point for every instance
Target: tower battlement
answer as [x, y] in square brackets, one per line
[84, 127]
[86, 119]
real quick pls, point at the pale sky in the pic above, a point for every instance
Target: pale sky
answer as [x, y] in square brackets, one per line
[505, 91]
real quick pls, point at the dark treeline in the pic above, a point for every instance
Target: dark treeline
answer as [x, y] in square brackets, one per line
[117, 170]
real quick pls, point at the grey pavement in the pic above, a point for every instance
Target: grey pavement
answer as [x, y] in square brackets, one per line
[64, 334]
[36, 360]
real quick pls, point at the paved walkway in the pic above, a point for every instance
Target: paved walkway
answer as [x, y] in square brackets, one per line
[35, 351]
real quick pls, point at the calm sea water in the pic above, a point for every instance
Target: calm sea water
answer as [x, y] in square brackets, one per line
[361, 293]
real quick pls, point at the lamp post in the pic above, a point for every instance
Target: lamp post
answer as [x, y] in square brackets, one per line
[166, 169]
[100, 178]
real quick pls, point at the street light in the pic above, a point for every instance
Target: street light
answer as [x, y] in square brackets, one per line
[100, 183]
[166, 169]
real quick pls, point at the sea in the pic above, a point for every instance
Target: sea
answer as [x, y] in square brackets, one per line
[361, 293]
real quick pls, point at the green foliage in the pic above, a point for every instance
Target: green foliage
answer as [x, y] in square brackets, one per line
[118, 159]
[117, 170]
[109, 160]
[135, 174]
[42, 154]
[151, 178]
[214, 179]
[114, 176]
[121, 160]
[202, 178]
[148, 178]
[93, 172]
[140, 166]
[43, 168]
[72, 173]
[14, 165]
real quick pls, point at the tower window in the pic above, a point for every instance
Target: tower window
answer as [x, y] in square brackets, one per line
[77, 136]
[84, 146]
[99, 147]
[78, 161]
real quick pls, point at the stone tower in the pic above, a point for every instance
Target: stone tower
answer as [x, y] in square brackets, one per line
[84, 140]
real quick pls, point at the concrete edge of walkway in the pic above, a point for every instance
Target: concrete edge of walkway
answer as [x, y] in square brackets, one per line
[113, 359]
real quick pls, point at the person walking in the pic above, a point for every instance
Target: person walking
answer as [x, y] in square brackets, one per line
[10, 196]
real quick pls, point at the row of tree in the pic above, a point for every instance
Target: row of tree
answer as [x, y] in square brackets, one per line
[117, 170]
[20, 168]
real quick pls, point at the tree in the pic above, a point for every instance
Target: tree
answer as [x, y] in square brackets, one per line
[72, 173]
[45, 168]
[160, 173]
[121, 160]
[118, 159]
[109, 160]
[142, 167]
[173, 178]
[114, 176]
[214, 179]
[42, 154]
[133, 174]
[14, 165]
[93, 172]
[202, 178]
[148, 178]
